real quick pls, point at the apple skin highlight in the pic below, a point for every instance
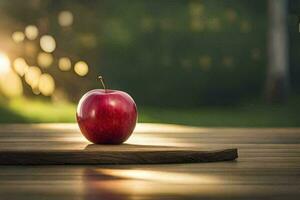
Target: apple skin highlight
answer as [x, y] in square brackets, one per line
[106, 116]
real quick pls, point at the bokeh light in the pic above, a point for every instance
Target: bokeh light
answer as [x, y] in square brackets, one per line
[44, 59]
[46, 84]
[48, 43]
[227, 61]
[81, 68]
[18, 36]
[32, 76]
[31, 32]
[231, 15]
[197, 24]
[205, 62]
[64, 64]
[11, 85]
[65, 18]
[20, 66]
[4, 64]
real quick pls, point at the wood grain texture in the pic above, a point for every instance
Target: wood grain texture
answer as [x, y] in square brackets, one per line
[268, 166]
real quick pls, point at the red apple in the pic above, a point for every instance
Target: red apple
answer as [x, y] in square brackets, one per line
[106, 116]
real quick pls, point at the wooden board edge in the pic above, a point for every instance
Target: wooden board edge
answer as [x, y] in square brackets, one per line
[114, 157]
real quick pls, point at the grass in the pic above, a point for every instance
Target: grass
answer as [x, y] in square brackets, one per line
[245, 115]
[37, 111]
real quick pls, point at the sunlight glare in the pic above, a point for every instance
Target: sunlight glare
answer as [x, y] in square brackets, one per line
[11, 85]
[4, 64]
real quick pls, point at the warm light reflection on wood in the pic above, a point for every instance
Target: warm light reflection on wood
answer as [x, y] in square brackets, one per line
[153, 140]
[111, 183]
[127, 189]
[161, 177]
[141, 135]
[140, 127]
[167, 128]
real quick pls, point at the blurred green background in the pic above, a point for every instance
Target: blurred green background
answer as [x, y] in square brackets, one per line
[183, 61]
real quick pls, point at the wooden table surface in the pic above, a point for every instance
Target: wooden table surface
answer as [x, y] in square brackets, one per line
[268, 166]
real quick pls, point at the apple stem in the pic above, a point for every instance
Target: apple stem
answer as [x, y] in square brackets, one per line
[102, 82]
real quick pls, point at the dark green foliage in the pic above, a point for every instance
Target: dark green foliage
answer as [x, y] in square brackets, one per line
[158, 50]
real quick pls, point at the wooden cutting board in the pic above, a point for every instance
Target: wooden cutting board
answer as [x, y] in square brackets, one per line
[57, 145]
[100, 154]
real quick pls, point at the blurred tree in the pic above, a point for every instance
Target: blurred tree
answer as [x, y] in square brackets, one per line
[277, 77]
